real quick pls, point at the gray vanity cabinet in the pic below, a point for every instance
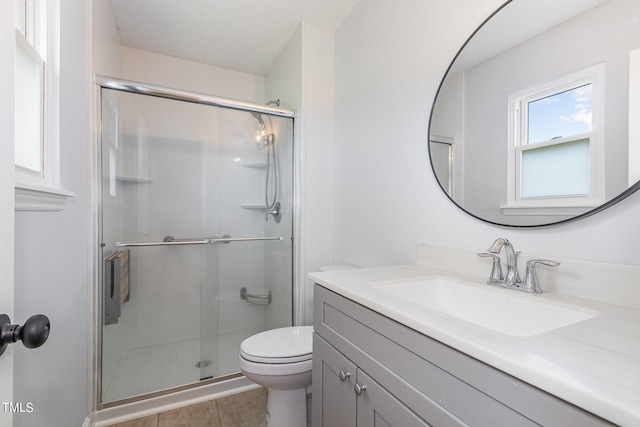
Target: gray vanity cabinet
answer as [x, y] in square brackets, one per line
[336, 377]
[377, 407]
[342, 406]
[410, 379]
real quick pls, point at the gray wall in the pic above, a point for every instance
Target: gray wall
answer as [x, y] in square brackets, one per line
[51, 256]
[386, 197]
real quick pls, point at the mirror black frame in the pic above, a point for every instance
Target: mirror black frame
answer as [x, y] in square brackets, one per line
[629, 191]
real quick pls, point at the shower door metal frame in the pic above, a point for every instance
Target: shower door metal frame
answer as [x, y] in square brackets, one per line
[194, 97]
[104, 82]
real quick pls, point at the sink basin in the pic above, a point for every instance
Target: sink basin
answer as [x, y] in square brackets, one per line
[503, 310]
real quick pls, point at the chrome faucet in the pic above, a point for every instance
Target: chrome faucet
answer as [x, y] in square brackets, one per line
[512, 279]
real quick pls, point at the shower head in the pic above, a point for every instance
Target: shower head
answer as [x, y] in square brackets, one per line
[258, 117]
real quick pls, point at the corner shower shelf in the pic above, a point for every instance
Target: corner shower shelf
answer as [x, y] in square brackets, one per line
[133, 179]
[255, 165]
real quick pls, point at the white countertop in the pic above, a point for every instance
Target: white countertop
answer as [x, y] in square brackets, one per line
[594, 364]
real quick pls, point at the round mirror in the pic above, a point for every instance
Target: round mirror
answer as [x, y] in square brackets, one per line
[531, 124]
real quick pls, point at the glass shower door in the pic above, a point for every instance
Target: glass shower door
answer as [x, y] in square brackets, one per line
[253, 265]
[184, 223]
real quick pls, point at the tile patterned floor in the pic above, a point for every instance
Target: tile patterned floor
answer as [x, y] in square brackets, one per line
[241, 410]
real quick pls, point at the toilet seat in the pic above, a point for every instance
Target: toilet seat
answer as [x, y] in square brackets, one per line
[279, 346]
[281, 361]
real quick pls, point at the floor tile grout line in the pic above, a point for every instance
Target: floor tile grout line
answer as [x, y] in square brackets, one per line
[218, 413]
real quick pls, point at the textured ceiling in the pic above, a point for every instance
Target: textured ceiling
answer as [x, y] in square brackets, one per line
[242, 35]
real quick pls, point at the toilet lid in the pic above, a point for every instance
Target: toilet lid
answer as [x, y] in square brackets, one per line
[283, 345]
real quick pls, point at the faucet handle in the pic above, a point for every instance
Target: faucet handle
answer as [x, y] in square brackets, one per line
[530, 283]
[496, 269]
[517, 274]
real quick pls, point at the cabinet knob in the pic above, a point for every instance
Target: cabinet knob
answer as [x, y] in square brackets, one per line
[359, 389]
[344, 375]
[33, 333]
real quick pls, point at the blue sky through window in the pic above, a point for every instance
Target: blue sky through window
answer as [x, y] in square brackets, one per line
[560, 115]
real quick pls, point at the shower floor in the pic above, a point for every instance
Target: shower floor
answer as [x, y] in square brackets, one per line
[160, 367]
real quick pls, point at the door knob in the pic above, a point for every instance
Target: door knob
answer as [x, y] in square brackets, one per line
[33, 333]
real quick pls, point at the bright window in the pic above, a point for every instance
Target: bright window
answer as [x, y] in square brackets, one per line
[560, 115]
[29, 143]
[30, 86]
[556, 144]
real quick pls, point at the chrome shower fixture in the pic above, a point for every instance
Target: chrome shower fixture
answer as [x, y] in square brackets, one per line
[265, 139]
[258, 117]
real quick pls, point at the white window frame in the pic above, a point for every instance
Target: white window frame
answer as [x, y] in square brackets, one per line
[559, 205]
[449, 142]
[40, 190]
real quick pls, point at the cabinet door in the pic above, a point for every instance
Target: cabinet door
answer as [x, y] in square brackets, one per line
[377, 407]
[334, 401]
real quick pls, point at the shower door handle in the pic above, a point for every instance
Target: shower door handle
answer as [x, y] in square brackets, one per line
[227, 239]
[166, 243]
[171, 241]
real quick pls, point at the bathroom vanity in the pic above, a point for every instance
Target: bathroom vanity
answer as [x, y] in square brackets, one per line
[387, 358]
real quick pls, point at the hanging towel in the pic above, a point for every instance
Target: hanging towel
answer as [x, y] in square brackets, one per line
[124, 275]
[116, 285]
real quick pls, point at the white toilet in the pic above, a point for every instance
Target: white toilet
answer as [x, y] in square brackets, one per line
[280, 360]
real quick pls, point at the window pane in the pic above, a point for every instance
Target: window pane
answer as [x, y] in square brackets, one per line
[556, 170]
[560, 115]
[29, 113]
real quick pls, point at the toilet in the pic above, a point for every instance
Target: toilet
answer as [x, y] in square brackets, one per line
[280, 360]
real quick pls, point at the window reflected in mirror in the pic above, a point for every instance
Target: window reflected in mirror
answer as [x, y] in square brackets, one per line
[555, 147]
[523, 103]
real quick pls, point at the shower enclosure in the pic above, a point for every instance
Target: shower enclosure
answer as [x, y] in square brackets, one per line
[196, 235]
